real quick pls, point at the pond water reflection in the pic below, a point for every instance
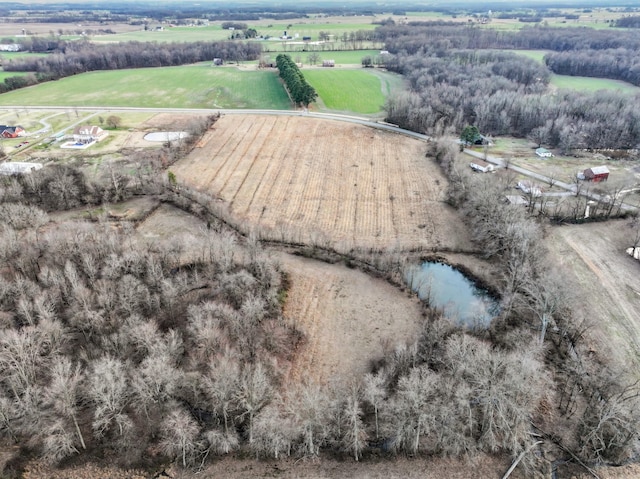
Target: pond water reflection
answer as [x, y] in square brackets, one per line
[444, 287]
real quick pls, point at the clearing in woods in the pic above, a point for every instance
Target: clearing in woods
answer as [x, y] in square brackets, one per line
[349, 319]
[609, 294]
[323, 182]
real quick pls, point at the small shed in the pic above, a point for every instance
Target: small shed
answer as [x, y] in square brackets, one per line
[596, 174]
[481, 166]
[543, 153]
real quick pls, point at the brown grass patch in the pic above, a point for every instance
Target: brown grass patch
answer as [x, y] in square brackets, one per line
[608, 295]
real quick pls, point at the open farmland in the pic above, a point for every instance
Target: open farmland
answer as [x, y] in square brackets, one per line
[359, 91]
[322, 181]
[591, 84]
[195, 86]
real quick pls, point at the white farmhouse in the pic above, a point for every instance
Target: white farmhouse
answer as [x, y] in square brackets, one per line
[482, 166]
[88, 134]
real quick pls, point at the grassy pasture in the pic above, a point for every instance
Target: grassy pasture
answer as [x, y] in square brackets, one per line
[356, 91]
[4, 74]
[576, 82]
[5, 56]
[173, 34]
[591, 84]
[196, 86]
[302, 27]
[537, 55]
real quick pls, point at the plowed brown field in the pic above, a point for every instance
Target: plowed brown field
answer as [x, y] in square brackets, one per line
[315, 180]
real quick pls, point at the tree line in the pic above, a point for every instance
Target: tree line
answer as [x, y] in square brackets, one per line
[617, 64]
[299, 89]
[501, 93]
[631, 21]
[413, 36]
[80, 57]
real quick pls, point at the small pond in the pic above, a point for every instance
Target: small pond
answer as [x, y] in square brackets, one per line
[443, 286]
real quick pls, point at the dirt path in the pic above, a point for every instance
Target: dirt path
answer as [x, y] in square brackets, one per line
[609, 289]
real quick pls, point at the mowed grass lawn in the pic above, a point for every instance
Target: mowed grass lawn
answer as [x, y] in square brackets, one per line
[197, 86]
[357, 91]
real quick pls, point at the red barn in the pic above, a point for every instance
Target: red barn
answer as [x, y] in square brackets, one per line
[599, 173]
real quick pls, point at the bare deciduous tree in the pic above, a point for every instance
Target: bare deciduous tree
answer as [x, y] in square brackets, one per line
[62, 392]
[108, 389]
[180, 436]
[253, 393]
[374, 394]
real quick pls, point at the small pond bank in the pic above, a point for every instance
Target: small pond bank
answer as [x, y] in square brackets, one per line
[462, 298]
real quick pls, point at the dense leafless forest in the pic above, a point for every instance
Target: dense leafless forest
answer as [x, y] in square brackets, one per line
[455, 81]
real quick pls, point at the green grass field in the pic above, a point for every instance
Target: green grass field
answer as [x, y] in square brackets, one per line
[199, 86]
[537, 55]
[358, 91]
[14, 55]
[4, 75]
[174, 34]
[591, 84]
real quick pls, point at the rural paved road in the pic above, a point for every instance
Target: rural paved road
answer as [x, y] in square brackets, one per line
[331, 116]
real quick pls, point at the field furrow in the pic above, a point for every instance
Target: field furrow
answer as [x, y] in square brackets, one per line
[245, 157]
[255, 170]
[225, 159]
[271, 159]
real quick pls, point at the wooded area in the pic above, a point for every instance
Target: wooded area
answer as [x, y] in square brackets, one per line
[453, 85]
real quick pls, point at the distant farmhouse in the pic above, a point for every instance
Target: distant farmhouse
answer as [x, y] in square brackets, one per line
[596, 174]
[543, 153]
[88, 134]
[12, 131]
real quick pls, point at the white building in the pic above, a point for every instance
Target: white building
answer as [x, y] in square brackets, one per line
[481, 165]
[89, 134]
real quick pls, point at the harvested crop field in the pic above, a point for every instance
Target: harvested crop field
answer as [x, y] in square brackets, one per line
[323, 181]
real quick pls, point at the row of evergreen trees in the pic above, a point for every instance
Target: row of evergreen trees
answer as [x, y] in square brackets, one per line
[301, 92]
